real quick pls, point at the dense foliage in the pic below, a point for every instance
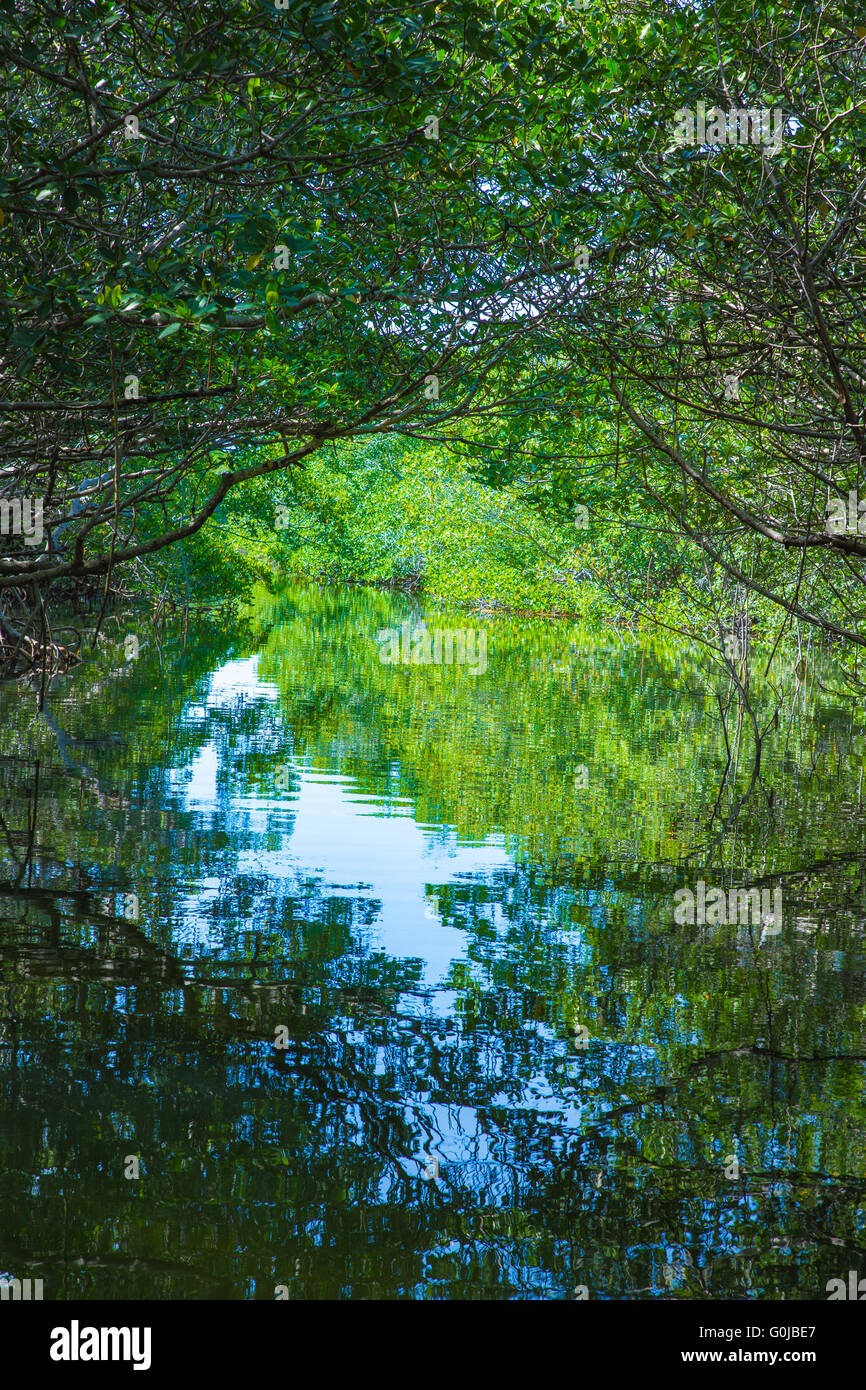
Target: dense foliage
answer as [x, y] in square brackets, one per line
[323, 276]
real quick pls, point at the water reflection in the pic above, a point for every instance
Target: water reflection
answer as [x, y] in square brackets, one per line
[390, 1002]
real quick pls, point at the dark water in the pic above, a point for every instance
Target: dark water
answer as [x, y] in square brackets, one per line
[374, 970]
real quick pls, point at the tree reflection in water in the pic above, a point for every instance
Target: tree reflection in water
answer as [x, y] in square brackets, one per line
[415, 1020]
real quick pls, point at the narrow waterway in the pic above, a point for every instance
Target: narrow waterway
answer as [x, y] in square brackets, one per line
[329, 976]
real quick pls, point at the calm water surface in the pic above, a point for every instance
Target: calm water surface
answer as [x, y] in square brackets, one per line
[371, 971]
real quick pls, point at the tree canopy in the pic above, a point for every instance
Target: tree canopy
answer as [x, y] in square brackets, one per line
[589, 247]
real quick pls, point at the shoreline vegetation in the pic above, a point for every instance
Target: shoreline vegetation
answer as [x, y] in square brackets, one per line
[494, 320]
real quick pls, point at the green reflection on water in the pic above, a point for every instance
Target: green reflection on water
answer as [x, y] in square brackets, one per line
[501, 1068]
